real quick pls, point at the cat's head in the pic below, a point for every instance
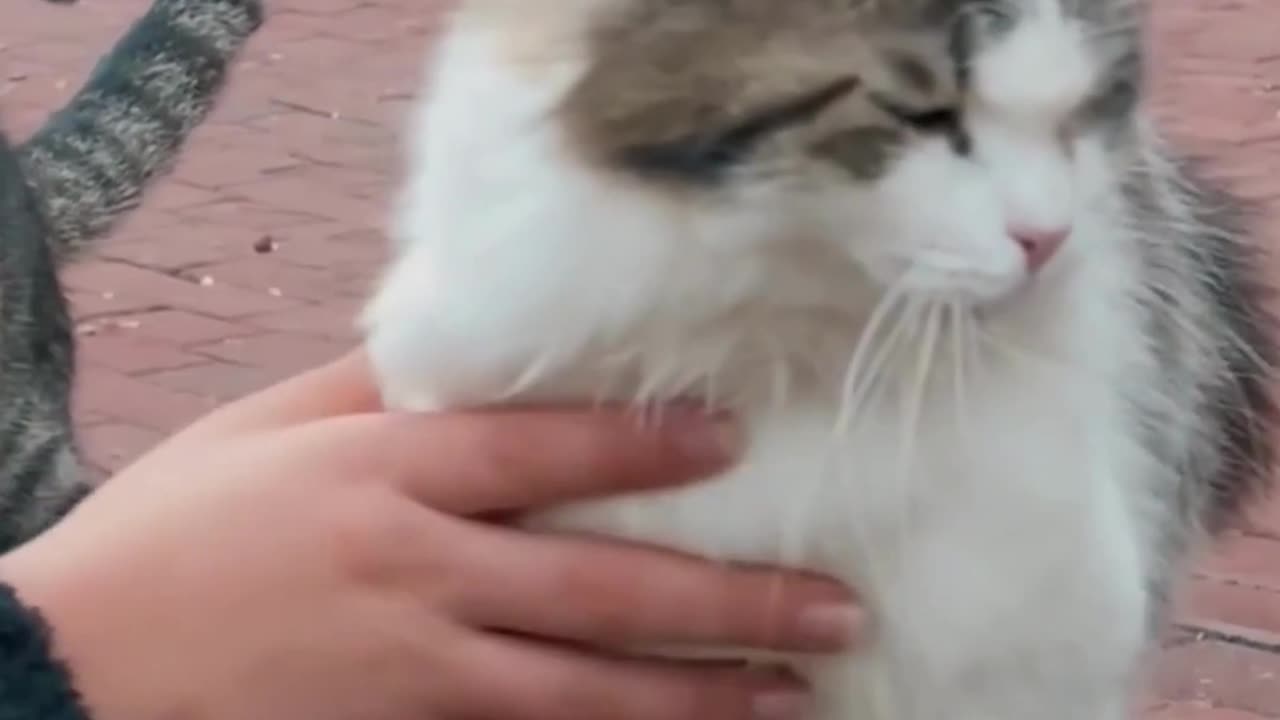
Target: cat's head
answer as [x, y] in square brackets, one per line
[951, 147]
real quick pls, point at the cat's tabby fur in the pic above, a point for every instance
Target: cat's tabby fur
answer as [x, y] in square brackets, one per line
[62, 189]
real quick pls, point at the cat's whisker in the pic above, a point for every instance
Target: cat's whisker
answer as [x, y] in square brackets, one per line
[613, 371]
[957, 319]
[914, 400]
[645, 398]
[976, 358]
[780, 377]
[866, 340]
[862, 393]
[533, 372]
[687, 379]
[661, 381]
[972, 361]
[869, 388]
[865, 389]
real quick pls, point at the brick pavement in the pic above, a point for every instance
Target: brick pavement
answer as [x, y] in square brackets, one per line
[248, 263]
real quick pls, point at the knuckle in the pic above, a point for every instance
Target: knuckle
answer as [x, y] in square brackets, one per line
[548, 450]
[607, 601]
[796, 611]
[576, 442]
[776, 597]
[494, 453]
[485, 450]
[732, 608]
[368, 537]
[764, 621]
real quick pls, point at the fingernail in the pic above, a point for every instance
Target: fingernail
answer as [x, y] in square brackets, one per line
[830, 627]
[711, 443]
[783, 705]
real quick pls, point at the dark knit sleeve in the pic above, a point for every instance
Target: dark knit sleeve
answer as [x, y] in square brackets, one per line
[33, 684]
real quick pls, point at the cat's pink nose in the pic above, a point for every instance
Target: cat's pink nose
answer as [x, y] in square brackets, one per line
[1039, 244]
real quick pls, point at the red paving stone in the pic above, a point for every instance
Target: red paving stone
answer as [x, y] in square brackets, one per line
[180, 312]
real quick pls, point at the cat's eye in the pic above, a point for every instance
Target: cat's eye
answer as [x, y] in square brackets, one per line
[941, 120]
[706, 156]
[946, 122]
[934, 120]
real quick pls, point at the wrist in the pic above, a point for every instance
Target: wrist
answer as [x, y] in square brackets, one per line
[34, 682]
[80, 626]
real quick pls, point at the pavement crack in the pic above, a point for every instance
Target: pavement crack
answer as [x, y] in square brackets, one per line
[1226, 637]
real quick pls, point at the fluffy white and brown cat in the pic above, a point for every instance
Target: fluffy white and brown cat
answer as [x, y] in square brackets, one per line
[1002, 359]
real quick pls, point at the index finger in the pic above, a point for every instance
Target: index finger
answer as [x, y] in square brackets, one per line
[342, 387]
[615, 594]
[504, 461]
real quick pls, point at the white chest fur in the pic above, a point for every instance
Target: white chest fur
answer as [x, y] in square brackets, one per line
[1002, 563]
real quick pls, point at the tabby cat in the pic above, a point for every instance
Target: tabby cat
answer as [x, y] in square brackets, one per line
[64, 188]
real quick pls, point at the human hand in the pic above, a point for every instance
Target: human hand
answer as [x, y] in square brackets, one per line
[300, 555]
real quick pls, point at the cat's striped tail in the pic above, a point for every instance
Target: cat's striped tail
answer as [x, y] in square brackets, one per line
[90, 163]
